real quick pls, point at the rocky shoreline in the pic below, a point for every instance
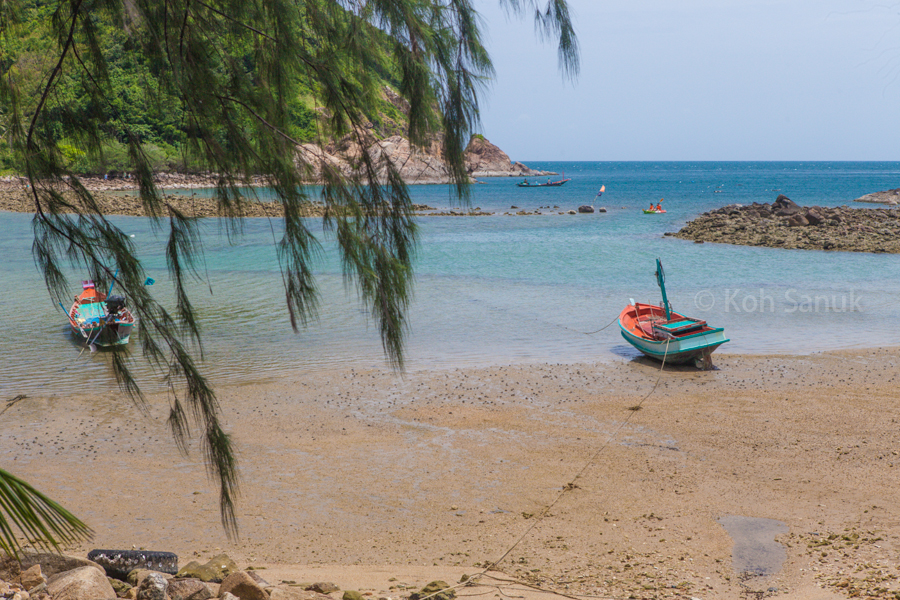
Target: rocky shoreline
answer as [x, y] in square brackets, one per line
[16, 199]
[785, 224]
[139, 575]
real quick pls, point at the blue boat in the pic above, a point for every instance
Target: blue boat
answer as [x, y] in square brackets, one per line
[663, 334]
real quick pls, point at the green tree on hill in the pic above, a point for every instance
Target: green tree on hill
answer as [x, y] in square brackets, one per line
[229, 83]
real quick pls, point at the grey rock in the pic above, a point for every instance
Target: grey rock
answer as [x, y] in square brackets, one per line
[153, 587]
[601, 209]
[323, 587]
[82, 583]
[119, 563]
[797, 220]
[585, 209]
[136, 577]
[814, 217]
[52, 564]
[785, 207]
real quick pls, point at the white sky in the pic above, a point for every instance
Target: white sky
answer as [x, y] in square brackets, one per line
[700, 80]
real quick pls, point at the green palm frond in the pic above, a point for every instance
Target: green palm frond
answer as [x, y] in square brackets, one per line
[43, 522]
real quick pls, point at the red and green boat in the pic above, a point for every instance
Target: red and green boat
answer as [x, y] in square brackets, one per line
[98, 319]
[663, 334]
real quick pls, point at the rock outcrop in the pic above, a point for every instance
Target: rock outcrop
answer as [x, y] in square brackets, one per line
[891, 197]
[784, 224]
[415, 165]
[484, 159]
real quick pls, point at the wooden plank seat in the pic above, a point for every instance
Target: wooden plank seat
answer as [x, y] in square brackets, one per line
[679, 327]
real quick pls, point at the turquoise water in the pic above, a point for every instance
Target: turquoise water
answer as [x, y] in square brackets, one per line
[501, 289]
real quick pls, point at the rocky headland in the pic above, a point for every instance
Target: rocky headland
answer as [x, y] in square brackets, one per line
[785, 224]
[415, 165]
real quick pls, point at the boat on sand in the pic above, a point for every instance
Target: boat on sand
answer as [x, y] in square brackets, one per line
[665, 335]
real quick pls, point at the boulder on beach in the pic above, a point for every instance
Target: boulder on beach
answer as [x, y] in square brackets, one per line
[243, 586]
[216, 569]
[153, 587]
[52, 564]
[82, 583]
[189, 589]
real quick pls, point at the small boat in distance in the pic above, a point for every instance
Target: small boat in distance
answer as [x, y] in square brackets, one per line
[98, 319]
[655, 210]
[663, 334]
[549, 183]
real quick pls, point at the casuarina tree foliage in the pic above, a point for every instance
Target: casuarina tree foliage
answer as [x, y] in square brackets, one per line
[229, 75]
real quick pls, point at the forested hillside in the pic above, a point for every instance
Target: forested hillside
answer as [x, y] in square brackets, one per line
[139, 104]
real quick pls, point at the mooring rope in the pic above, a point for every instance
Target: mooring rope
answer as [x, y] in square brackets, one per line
[567, 488]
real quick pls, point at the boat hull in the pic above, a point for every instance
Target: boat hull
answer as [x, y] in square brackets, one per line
[677, 349]
[92, 322]
[551, 184]
[104, 336]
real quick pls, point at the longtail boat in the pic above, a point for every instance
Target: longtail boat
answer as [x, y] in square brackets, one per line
[663, 334]
[548, 184]
[99, 319]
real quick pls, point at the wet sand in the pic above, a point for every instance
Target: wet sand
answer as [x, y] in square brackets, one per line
[368, 477]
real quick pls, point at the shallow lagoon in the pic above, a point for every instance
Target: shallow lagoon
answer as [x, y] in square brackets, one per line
[503, 289]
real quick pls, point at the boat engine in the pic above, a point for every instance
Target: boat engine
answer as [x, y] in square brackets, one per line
[114, 304]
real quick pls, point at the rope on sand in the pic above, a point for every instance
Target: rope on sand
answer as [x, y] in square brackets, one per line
[571, 485]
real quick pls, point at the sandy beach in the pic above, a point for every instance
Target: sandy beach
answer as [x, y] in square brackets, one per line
[439, 473]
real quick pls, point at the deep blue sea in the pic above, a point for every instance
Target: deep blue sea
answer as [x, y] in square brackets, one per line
[502, 289]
